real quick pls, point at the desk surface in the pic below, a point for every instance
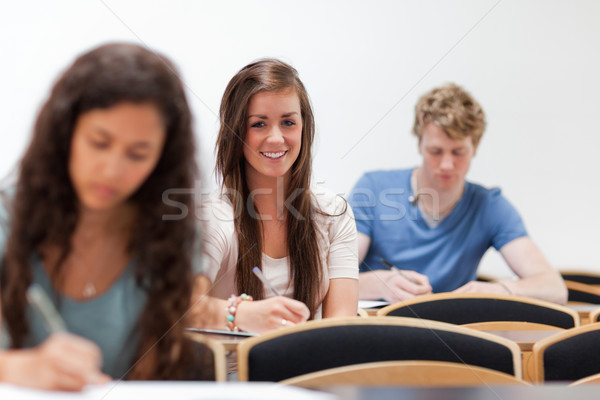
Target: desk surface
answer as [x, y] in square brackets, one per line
[586, 308]
[127, 390]
[266, 391]
[545, 392]
[584, 311]
[229, 342]
[525, 339]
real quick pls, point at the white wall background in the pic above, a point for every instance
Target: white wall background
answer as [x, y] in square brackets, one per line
[533, 65]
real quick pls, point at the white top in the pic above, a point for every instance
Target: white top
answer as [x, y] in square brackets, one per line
[337, 243]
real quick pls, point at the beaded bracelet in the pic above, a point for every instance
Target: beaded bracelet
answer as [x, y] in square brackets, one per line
[231, 309]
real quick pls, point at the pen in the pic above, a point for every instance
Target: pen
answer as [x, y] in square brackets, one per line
[264, 280]
[40, 301]
[392, 267]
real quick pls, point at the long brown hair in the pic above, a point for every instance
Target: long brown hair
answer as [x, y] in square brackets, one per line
[44, 208]
[269, 75]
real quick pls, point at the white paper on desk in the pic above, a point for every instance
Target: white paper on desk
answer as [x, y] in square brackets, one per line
[121, 390]
[372, 303]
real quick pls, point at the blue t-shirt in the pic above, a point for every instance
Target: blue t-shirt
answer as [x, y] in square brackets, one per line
[449, 253]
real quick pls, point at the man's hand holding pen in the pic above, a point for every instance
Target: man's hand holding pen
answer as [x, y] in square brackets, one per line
[405, 284]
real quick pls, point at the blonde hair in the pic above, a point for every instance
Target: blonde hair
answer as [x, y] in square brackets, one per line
[452, 109]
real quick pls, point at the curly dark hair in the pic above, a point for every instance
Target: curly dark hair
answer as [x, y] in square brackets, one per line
[44, 208]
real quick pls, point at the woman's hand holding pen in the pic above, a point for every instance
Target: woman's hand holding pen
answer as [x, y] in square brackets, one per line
[61, 362]
[272, 313]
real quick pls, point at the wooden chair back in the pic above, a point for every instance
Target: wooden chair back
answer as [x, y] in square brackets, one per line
[337, 342]
[568, 356]
[363, 313]
[587, 277]
[588, 380]
[595, 316]
[471, 308]
[582, 293]
[510, 326]
[405, 373]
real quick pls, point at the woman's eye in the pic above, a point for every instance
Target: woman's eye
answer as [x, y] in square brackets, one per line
[137, 157]
[289, 123]
[258, 124]
[98, 144]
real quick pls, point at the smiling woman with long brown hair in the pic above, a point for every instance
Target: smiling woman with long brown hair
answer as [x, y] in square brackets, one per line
[85, 222]
[267, 215]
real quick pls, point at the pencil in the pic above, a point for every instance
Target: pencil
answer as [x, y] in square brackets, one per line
[392, 267]
[264, 280]
[36, 296]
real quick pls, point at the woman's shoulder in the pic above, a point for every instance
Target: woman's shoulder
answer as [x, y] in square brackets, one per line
[215, 213]
[328, 202]
[215, 204]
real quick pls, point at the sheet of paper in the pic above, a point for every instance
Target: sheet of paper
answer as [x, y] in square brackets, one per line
[172, 390]
[372, 303]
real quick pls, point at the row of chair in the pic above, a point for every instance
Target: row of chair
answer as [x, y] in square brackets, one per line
[409, 351]
[406, 351]
[424, 345]
[490, 312]
[501, 312]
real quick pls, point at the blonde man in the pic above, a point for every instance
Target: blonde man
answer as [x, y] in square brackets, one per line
[434, 225]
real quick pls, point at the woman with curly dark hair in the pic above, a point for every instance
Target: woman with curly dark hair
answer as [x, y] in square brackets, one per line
[86, 223]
